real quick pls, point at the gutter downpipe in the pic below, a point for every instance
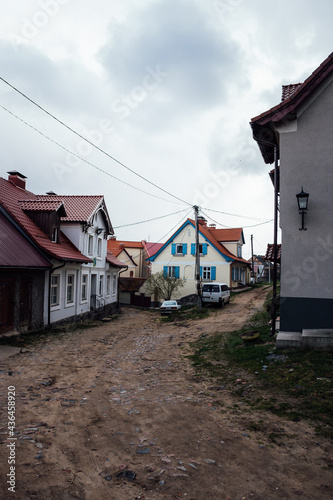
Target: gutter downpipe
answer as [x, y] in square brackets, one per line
[49, 297]
[118, 303]
[276, 194]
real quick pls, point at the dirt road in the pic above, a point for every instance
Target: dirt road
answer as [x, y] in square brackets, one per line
[96, 407]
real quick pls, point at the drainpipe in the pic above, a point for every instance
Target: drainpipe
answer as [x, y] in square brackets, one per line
[118, 303]
[276, 194]
[49, 297]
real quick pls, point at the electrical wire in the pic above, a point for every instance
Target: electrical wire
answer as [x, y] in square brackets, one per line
[236, 215]
[243, 227]
[94, 145]
[83, 159]
[149, 220]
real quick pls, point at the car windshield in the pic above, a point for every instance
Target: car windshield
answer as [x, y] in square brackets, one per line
[169, 303]
[211, 288]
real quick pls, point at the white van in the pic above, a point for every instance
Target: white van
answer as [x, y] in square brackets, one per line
[215, 293]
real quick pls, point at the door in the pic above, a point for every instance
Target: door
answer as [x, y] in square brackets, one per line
[25, 302]
[93, 292]
[6, 304]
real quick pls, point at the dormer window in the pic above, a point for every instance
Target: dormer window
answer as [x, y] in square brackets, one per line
[239, 251]
[55, 234]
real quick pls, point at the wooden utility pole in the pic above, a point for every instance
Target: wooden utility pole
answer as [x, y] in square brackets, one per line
[197, 256]
[252, 274]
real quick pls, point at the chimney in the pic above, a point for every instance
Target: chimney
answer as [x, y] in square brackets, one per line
[202, 221]
[17, 179]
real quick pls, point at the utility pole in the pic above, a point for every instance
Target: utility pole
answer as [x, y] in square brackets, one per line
[252, 274]
[197, 256]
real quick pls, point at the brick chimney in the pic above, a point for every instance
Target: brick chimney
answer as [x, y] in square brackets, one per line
[17, 179]
[202, 221]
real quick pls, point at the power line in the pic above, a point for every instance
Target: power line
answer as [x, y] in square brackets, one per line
[83, 159]
[230, 227]
[150, 220]
[92, 144]
[236, 215]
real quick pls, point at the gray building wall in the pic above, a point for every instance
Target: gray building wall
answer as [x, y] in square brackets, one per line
[306, 159]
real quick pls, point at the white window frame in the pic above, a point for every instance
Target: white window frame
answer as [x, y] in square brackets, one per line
[86, 276]
[101, 285]
[239, 251]
[206, 273]
[172, 271]
[114, 284]
[181, 246]
[108, 284]
[90, 250]
[58, 287]
[72, 302]
[99, 247]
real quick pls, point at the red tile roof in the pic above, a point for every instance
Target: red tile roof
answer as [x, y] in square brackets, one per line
[263, 124]
[43, 206]
[226, 235]
[270, 253]
[15, 249]
[78, 208]
[10, 198]
[113, 261]
[208, 233]
[288, 90]
[152, 248]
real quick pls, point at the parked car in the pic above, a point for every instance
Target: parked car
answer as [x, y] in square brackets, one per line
[169, 306]
[215, 293]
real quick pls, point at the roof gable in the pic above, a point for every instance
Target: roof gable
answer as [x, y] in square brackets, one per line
[293, 96]
[206, 234]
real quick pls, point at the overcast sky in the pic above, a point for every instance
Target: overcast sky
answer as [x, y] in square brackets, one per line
[168, 88]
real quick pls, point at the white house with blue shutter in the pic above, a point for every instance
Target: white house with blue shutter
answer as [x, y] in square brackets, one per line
[220, 256]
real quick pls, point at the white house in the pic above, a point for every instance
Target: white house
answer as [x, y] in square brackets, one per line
[72, 233]
[220, 256]
[296, 135]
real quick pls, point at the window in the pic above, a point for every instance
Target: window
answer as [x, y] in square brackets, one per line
[171, 271]
[99, 247]
[70, 289]
[55, 281]
[108, 284]
[90, 244]
[208, 273]
[114, 284]
[101, 285]
[239, 251]
[55, 234]
[202, 248]
[179, 248]
[84, 287]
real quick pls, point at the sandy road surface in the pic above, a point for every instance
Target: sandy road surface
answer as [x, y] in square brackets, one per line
[123, 399]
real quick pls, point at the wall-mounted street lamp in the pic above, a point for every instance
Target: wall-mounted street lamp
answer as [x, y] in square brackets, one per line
[302, 201]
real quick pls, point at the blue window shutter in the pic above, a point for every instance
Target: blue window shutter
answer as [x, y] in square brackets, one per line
[200, 271]
[173, 248]
[233, 274]
[213, 273]
[165, 271]
[192, 248]
[177, 272]
[204, 249]
[184, 248]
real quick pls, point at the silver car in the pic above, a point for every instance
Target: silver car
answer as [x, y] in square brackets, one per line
[169, 306]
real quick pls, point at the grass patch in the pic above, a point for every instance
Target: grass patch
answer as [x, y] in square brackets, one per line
[186, 313]
[300, 381]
